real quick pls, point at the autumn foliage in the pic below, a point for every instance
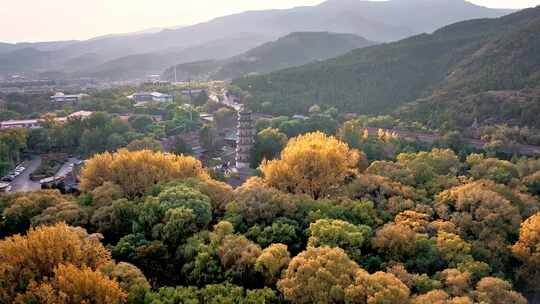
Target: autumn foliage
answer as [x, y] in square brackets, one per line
[318, 275]
[136, 172]
[327, 275]
[527, 250]
[314, 227]
[314, 164]
[73, 285]
[31, 258]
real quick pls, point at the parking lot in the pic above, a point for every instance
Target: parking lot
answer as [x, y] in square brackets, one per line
[22, 183]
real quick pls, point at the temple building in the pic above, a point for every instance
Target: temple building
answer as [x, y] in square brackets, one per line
[245, 139]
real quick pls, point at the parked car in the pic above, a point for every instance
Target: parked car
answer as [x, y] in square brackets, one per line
[9, 178]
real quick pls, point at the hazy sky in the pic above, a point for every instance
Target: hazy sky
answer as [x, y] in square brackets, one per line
[45, 20]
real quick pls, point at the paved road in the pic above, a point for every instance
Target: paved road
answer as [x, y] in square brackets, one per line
[23, 183]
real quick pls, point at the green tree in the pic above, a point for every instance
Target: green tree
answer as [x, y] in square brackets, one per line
[141, 123]
[18, 209]
[225, 118]
[207, 137]
[200, 99]
[337, 233]
[268, 144]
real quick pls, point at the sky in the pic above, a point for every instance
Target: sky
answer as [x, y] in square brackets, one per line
[50, 20]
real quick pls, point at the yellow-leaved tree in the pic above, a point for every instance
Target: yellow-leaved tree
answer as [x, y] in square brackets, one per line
[73, 285]
[527, 250]
[137, 171]
[328, 275]
[314, 164]
[35, 256]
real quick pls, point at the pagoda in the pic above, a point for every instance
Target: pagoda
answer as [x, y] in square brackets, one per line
[245, 139]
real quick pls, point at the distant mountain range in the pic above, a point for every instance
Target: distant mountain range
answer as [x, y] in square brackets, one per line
[485, 69]
[376, 21]
[139, 65]
[292, 50]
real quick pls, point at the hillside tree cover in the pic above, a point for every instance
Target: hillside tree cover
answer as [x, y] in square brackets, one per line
[483, 70]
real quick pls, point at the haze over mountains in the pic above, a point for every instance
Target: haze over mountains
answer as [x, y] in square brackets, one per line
[294, 49]
[375, 21]
[486, 70]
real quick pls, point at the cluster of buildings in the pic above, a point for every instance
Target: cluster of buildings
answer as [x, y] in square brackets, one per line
[36, 123]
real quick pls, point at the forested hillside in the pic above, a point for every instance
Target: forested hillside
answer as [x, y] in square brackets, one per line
[294, 49]
[454, 70]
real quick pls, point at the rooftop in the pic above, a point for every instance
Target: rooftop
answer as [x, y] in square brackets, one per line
[82, 114]
[79, 114]
[19, 122]
[153, 94]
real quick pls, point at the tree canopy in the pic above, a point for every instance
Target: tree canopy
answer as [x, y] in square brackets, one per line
[136, 172]
[314, 164]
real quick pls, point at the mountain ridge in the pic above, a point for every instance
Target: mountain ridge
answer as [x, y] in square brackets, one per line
[294, 49]
[426, 77]
[376, 21]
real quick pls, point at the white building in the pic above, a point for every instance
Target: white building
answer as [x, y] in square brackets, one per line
[35, 123]
[61, 97]
[151, 96]
[18, 124]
